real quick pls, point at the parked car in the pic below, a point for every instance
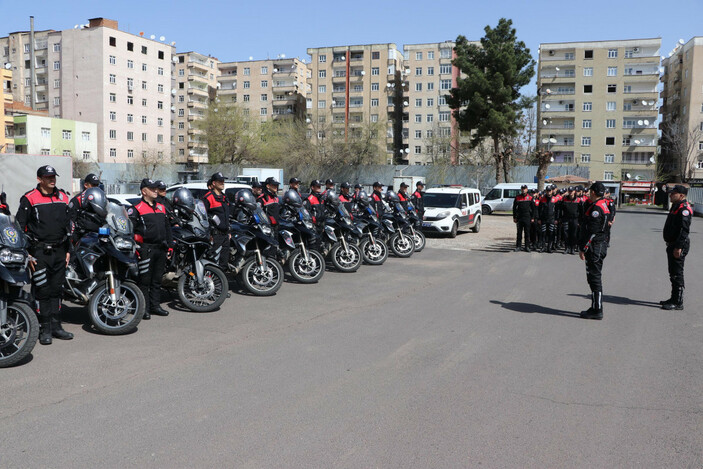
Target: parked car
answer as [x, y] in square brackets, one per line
[125, 199]
[501, 197]
[448, 209]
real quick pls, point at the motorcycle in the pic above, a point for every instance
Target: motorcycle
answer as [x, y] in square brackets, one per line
[254, 250]
[201, 284]
[19, 327]
[341, 240]
[401, 243]
[305, 264]
[98, 274]
[415, 224]
[375, 233]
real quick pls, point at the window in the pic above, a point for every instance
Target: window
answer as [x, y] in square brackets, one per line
[264, 83]
[44, 151]
[67, 153]
[445, 69]
[130, 118]
[586, 124]
[418, 86]
[445, 84]
[610, 123]
[57, 65]
[445, 53]
[112, 59]
[627, 106]
[375, 71]
[418, 118]
[374, 102]
[610, 106]
[130, 100]
[247, 85]
[588, 89]
[430, 102]
[588, 54]
[130, 153]
[181, 125]
[430, 55]
[143, 119]
[144, 50]
[113, 116]
[587, 106]
[159, 138]
[375, 55]
[374, 87]
[113, 152]
[130, 83]
[263, 111]
[113, 41]
[181, 73]
[430, 118]
[418, 55]
[585, 141]
[113, 98]
[322, 58]
[418, 102]
[45, 132]
[612, 88]
[143, 67]
[612, 53]
[418, 149]
[159, 104]
[418, 71]
[245, 98]
[160, 88]
[418, 134]
[612, 71]
[57, 101]
[160, 71]
[57, 47]
[585, 157]
[130, 136]
[247, 71]
[430, 70]
[143, 101]
[57, 83]
[588, 71]
[429, 133]
[627, 89]
[374, 117]
[160, 121]
[322, 104]
[66, 134]
[264, 97]
[628, 123]
[143, 85]
[610, 141]
[130, 46]
[442, 100]
[322, 89]
[444, 116]
[700, 145]
[130, 64]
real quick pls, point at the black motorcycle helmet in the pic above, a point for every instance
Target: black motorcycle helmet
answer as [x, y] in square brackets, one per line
[245, 198]
[363, 199]
[183, 199]
[391, 196]
[331, 198]
[292, 198]
[94, 199]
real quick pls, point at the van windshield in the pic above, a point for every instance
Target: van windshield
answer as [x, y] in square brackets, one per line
[493, 195]
[441, 200]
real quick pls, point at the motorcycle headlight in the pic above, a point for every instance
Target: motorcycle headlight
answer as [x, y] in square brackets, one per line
[308, 224]
[443, 214]
[389, 225]
[123, 244]
[9, 257]
[265, 230]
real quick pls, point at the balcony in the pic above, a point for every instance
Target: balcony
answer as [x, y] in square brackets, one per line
[558, 55]
[640, 124]
[285, 87]
[642, 53]
[284, 100]
[640, 105]
[563, 156]
[643, 141]
[647, 70]
[338, 91]
[639, 88]
[194, 62]
[202, 91]
[557, 106]
[637, 157]
[197, 103]
[563, 140]
[565, 89]
[200, 79]
[40, 45]
[561, 73]
[554, 124]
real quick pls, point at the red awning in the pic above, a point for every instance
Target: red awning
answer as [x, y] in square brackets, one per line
[637, 186]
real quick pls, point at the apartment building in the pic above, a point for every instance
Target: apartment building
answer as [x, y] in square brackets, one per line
[356, 86]
[266, 89]
[39, 135]
[430, 132]
[195, 78]
[682, 111]
[7, 143]
[598, 106]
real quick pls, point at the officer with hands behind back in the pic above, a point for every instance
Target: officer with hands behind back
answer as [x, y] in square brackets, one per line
[676, 229]
[593, 247]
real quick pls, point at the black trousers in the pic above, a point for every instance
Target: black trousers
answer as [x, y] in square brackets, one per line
[48, 278]
[535, 234]
[220, 249]
[523, 226]
[571, 226]
[548, 232]
[676, 265]
[594, 264]
[152, 263]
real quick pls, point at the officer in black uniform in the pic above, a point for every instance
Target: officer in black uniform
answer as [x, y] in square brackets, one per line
[4, 208]
[294, 183]
[570, 211]
[75, 206]
[218, 211]
[314, 203]
[345, 197]
[163, 200]
[676, 229]
[329, 186]
[43, 216]
[152, 232]
[257, 189]
[547, 214]
[593, 247]
[269, 200]
[613, 209]
[357, 191]
[523, 216]
[377, 199]
[418, 199]
[403, 195]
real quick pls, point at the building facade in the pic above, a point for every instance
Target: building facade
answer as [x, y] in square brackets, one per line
[352, 87]
[38, 135]
[682, 112]
[195, 81]
[7, 142]
[598, 106]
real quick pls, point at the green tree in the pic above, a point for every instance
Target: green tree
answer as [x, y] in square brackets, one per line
[487, 100]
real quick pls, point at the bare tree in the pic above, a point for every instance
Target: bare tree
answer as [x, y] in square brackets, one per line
[679, 147]
[231, 134]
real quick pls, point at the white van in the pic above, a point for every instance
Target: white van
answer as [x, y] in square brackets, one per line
[447, 209]
[501, 197]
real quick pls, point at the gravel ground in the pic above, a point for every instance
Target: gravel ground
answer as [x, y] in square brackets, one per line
[497, 233]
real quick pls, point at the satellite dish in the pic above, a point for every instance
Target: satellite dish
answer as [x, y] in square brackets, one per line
[388, 85]
[173, 91]
[251, 57]
[363, 73]
[628, 176]
[545, 140]
[173, 43]
[651, 103]
[547, 106]
[651, 159]
[544, 122]
[173, 108]
[644, 103]
[218, 85]
[557, 68]
[682, 42]
[75, 27]
[551, 159]
[343, 58]
[307, 120]
[646, 122]
[162, 38]
[405, 103]
[8, 66]
[637, 142]
[640, 122]
[638, 177]
[175, 59]
[152, 36]
[552, 140]
[548, 91]
[283, 56]
[670, 54]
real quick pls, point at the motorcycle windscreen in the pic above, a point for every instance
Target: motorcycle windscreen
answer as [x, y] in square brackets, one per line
[304, 215]
[260, 217]
[344, 212]
[117, 220]
[411, 207]
[199, 220]
[10, 235]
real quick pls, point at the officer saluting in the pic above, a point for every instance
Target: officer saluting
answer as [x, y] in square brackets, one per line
[152, 232]
[593, 247]
[43, 216]
[675, 233]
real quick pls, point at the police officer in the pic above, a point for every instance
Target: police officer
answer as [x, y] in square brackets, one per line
[357, 191]
[523, 216]
[535, 230]
[345, 197]
[152, 232]
[294, 183]
[377, 199]
[676, 229]
[269, 200]
[218, 212]
[593, 247]
[613, 209]
[329, 186]
[570, 211]
[547, 213]
[418, 199]
[43, 216]
[257, 189]
[403, 195]
[314, 202]
[4, 208]
[75, 206]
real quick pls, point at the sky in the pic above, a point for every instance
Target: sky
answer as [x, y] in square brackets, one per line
[236, 30]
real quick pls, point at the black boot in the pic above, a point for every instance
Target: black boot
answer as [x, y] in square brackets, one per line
[45, 331]
[147, 315]
[159, 311]
[57, 330]
[517, 248]
[671, 298]
[677, 302]
[596, 309]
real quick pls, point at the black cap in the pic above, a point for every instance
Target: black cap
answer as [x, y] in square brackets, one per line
[46, 170]
[146, 182]
[524, 186]
[571, 188]
[678, 189]
[420, 183]
[598, 188]
[218, 177]
[271, 180]
[329, 181]
[255, 184]
[161, 185]
[403, 184]
[92, 179]
[315, 183]
[377, 184]
[294, 180]
[357, 186]
[345, 185]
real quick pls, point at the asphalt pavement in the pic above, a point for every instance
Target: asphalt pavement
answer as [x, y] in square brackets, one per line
[447, 359]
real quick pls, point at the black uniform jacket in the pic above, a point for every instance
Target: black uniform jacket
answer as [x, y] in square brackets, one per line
[678, 223]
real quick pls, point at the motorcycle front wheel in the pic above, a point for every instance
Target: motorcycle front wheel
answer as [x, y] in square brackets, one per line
[402, 246]
[262, 280]
[374, 254]
[346, 261]
[120, 318]
[420, 241]
[19, 336]
[309, 271]
[207, 296]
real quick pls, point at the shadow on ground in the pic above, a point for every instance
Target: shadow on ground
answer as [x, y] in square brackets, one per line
[533, 308]
[620, 300]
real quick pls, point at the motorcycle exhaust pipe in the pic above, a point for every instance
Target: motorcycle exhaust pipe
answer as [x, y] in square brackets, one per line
[77, 293]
